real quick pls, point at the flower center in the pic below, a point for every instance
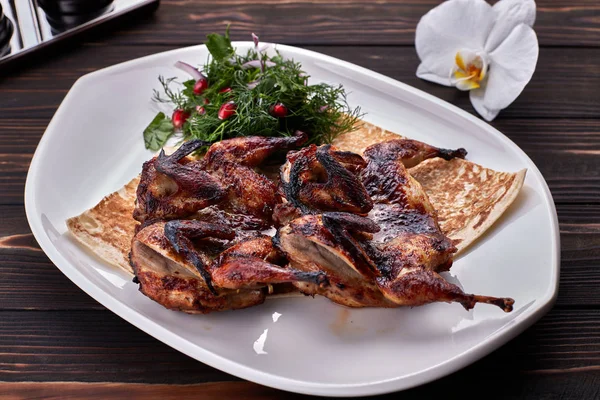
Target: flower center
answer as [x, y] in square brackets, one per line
[469, 71]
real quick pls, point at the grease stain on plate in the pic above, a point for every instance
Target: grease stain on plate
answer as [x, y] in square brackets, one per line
[343, 326]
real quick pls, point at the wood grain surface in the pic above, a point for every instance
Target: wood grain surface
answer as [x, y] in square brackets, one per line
[57, 342]
[345, 22]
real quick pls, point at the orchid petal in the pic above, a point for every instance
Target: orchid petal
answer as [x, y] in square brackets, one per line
[447, 28]
[509, 14]
[511, 67]
[424, 73]
[476, 97]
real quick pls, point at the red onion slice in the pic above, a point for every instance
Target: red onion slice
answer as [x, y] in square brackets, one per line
[253, 84]
[257, 64]
[189, 69]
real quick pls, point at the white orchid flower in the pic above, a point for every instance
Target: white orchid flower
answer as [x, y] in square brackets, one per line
[491, 51]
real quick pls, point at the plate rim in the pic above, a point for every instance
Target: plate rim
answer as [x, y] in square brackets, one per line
[158, 331]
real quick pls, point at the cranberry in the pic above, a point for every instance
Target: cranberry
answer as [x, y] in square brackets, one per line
[179, 117]
[278, 110]
[227, 110]
[200, 110]
[225, 90]
[201, 85]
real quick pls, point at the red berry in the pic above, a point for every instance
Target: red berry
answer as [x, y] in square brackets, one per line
[279, 110]
[201, 85]
[200, 110]
[227, 110]
[179, 117]
[206, 101]
[225, 90]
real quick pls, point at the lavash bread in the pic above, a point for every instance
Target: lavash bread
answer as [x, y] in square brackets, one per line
[364, 135]
[467, 197]
[107, 228]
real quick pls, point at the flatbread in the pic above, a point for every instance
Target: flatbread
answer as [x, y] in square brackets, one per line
[467, 197]
[107, 229]
[365, 135]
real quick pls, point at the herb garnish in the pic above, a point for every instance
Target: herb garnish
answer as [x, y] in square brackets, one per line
[157, 133]
[251, 94]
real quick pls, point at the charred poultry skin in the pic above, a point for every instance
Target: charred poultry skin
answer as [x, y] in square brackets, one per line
[321, 179]
[178, 186]
[195, 267]
[234, 161]
[175, 186]
[392, 258]
[311, 246]
[219, 260]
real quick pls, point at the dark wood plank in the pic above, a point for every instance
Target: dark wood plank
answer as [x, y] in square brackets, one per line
[566, 151]
[133, 391]
[90, 346]
[561, 351]
[582, 385]
[29, 281]
[385, 22]
[580, 255]
[564, 85]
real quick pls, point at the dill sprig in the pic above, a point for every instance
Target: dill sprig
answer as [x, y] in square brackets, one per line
[320, 110]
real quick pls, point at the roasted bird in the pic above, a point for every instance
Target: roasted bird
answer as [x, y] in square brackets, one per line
[235, 164]
[199, 267]
[217, 258]
[321, 179]
[389, 258]
[360, 231]
[177, 186]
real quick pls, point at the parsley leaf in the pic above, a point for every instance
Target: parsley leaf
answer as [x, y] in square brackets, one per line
[219, 46]
[158, 132]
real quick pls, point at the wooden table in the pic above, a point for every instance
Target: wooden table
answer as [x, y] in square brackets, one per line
[57, 341]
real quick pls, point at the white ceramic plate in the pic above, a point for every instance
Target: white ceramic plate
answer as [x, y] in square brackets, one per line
[94, 145]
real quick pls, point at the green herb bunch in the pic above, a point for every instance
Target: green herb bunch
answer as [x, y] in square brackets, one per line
[319, 110]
